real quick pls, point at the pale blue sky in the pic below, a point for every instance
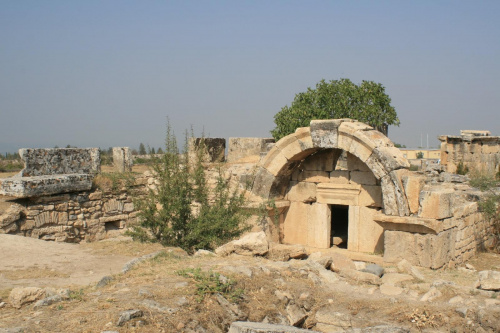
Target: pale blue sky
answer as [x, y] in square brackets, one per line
[108, 73]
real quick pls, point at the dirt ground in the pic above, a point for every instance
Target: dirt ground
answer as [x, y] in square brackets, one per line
[170, 302]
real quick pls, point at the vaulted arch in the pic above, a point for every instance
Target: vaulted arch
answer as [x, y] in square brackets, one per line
[367, 144]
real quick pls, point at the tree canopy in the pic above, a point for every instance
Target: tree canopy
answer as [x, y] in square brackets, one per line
[366, 102]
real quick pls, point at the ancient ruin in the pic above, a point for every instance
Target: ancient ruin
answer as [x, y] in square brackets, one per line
[472, 150]
[336, 183]
[370, 201]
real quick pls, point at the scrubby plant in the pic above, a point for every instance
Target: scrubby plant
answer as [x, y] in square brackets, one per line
[183, 210]
[490, 203]
[209, 283]
[462, 169]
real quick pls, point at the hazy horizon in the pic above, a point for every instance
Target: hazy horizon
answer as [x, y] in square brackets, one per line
[109, 73]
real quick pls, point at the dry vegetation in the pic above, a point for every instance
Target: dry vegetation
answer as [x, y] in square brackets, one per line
[172, 302]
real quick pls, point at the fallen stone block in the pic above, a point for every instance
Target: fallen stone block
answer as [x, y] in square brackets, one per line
[358, 276]
[489, 280]
[252, 244]
[285, 252]
[251, 327]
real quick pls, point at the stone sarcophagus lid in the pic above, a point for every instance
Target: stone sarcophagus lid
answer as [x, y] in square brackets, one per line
[53, 171]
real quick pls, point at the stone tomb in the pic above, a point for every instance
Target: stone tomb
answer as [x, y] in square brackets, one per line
[340, 182]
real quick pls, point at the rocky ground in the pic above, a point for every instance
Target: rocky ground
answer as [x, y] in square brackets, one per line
[169, 291]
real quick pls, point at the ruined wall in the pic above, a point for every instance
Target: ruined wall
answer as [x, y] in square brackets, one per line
[248, 149]
[479, 153]
[75, 217]
[446, 227]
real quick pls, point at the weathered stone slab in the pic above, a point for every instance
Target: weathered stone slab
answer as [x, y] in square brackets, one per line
[251, 327]
[57, 161]
[122, 159]
[241, 148]
[436, 203]
[26, 187]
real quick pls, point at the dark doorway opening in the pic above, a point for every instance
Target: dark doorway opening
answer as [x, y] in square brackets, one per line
[339, 225]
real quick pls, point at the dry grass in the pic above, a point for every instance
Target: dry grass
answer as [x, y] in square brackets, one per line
[32, 273]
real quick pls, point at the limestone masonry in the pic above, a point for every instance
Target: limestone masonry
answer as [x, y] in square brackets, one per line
[336, 183]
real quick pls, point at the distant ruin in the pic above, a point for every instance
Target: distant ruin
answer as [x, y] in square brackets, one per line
[474, 150]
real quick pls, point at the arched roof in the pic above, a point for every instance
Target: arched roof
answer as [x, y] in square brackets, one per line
[369, 145]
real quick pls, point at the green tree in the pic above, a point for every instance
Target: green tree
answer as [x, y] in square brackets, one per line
[142, 149]
[159, 151]
[366, 102]
[420, 155]
[184, 210]
[152, 151]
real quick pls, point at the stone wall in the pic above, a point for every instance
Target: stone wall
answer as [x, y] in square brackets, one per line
[248, 149]
[74, 217]
[476, 151]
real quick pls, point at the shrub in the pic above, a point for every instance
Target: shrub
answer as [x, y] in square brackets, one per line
[209, 283]
[166, 213]
[490, 203]
[462, 169]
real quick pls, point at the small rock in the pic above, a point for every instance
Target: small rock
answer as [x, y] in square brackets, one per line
[20, 296]
[128, 315]
[469, 266]
[455, 300]
[431, 295]
[2, 304]
[182, 301]
[47, 301]
[104, 281]
[360, 265]
[340, 262]
[283, 295]
[204, 253]
[329, 318]
[157, 306]
[395, 278]
[360, 276]
[296, 315]
[318, 257]
[405, 267]
[390, 290]
[462, 312]
[374, 269]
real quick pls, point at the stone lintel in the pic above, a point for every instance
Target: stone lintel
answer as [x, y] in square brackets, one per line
[338, 194]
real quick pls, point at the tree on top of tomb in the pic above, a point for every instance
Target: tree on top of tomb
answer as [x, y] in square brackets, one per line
[336, 99]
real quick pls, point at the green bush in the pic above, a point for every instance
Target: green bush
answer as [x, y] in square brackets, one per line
[166, 214]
